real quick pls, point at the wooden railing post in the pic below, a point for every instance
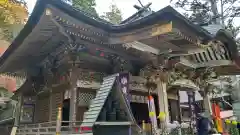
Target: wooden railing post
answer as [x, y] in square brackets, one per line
[17, 114]
[59, 121]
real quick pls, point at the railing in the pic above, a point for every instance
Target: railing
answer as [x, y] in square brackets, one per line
[67, 127]
[49, 128]
[8, 112]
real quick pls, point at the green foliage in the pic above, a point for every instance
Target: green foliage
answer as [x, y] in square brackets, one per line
[11, 12]
[211, 12]
[114, 15]
[5, 28]
[86, 5]
[233, 130]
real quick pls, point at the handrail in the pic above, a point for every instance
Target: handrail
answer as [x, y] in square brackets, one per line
[46, 129]
[49, 128]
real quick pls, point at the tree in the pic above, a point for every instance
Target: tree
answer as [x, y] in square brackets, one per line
[86, 5]
[212, 12]
[12, 12]
[114, 15]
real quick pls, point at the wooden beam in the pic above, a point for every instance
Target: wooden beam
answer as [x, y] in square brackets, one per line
[145, 33]
[120, 51]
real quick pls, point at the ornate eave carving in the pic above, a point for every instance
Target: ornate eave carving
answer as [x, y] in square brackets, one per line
[216, 44]
[88, 75]
[200, 77]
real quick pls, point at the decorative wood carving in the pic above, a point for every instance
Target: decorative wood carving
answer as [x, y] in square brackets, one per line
[162, 29]
[121, 65]
[199, 76]
[90, 76]
[217, 45]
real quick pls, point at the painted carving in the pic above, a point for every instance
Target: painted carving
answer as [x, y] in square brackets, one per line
[216, 45]
[162, 29]
[48, 12]
[90, 76]
[219, 48]
[88, 84]
[127, 38]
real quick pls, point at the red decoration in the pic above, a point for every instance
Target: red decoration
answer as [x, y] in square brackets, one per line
[102, 54]
[216, 110]
[84, 129]
[62, 78]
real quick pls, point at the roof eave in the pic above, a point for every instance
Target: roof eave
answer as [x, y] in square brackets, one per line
[230, 43]
[31, 23]
[41, 5]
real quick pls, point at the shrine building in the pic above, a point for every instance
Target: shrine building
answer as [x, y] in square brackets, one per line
[75, 61]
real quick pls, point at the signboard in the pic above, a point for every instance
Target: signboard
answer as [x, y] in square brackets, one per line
[27, 114]
[124, 84]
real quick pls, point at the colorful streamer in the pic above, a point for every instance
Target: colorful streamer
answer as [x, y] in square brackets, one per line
[152, 113]
[217, 118]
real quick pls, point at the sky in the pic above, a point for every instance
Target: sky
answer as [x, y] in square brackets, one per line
[126, 6]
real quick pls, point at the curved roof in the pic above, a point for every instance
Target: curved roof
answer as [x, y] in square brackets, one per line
[167, 13]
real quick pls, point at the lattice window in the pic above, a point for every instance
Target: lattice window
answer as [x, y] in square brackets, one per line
[84, 99]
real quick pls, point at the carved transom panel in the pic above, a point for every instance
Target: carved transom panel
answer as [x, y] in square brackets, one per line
[139, 99]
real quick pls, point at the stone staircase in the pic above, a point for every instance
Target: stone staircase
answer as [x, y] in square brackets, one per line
[110, 112]
[90, 117]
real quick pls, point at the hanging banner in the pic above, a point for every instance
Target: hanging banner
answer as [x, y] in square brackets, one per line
[124, 84]
[152, 114]
[217, 117]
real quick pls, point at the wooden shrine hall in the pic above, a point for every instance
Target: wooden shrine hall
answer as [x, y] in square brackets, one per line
[64, 54]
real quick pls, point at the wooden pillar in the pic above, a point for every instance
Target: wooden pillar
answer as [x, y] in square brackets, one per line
[191, 101]
[50, 105]
[207, 104]
[174, 110]
[18, 110]
[17, 114]
[236, 103]
[179, 108]
[73, 105]
[207, 107]
[162, 98]
[73, 99]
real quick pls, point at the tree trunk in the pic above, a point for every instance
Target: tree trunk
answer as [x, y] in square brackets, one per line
[216, 19]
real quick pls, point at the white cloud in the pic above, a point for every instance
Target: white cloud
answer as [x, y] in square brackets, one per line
[30, 4]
